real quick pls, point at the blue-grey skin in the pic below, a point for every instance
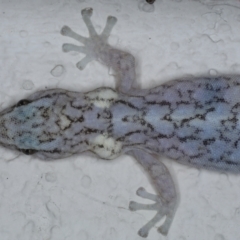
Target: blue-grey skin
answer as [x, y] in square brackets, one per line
[195, 122]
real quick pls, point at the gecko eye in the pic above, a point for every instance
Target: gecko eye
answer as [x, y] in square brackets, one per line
[28, 151]
[22, 102]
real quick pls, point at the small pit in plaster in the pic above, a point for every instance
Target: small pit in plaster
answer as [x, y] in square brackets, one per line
[57, 71]
[213, 72]
[86, 181]
[28, 85]
[50, 177]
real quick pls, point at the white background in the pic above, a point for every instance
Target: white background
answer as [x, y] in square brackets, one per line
[82, 198]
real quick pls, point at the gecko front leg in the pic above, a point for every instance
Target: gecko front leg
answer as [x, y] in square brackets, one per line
[96, 47]
[166, 200]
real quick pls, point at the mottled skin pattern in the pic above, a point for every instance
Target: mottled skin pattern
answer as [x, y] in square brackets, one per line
[195, 122]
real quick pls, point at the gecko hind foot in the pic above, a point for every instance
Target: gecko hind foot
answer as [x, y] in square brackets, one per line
[95, 46]
[162, 208]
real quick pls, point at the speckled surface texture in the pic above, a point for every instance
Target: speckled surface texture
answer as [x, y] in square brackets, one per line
[87, 198]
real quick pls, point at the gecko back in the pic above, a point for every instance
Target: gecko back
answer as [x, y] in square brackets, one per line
[197, 121]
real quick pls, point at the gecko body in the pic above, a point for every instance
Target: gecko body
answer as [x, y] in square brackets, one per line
[195, 122]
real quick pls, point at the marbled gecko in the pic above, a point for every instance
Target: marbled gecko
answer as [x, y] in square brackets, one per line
[195, 122]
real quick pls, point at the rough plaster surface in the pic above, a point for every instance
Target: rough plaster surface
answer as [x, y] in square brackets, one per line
[82, 198]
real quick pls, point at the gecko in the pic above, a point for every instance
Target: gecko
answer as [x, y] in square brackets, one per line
[192, 121]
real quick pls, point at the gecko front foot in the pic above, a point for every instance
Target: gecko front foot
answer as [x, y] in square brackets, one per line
[162, 208]
[95, 46]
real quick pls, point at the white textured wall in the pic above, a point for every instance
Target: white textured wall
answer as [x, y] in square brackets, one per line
[82, 198]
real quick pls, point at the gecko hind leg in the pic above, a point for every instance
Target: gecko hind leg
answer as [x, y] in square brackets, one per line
[95, 45]
[166, 199]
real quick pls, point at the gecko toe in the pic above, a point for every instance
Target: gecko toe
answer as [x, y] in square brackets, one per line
[132, 206]
[143, 233]
[111, 20]
[140, 192]
[65, 30]
[87, 12]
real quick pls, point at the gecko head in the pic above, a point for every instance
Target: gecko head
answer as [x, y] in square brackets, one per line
[48, 124]
[29, 127]
[16, 127]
